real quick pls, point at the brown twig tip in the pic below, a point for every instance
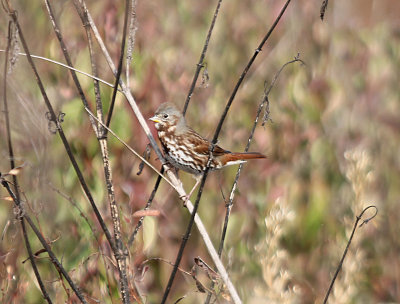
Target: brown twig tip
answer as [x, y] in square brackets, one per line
[268, 88]
[142, 213]
[359, 217]
[324, 6]
[146, 156]
[339, 267]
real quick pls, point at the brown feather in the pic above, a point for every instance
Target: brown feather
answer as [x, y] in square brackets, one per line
[202, 145]
[241, 156]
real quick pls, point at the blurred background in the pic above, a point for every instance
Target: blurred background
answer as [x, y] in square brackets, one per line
[332, 146]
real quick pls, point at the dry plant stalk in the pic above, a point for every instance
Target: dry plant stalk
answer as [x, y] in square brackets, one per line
[359, 173]
[276, 285]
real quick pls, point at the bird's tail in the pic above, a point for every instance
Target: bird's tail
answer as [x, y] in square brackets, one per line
[237, 158]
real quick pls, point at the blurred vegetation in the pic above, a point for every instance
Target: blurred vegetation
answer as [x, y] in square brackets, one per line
[332, 146]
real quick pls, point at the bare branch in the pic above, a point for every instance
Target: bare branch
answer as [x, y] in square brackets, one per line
[53, 258]
[364, 221]
[11, 33]
[66, 66]
[229, 204]
[200, 64]
[131, 40]
[63, 47]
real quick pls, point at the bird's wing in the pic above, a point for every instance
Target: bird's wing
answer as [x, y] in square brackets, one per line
[201, 145]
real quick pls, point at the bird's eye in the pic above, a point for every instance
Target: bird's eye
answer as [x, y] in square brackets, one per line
[165, 116]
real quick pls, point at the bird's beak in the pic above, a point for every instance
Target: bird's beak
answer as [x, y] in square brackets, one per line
[155, 119]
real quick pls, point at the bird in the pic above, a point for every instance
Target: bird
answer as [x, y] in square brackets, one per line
[187, 150]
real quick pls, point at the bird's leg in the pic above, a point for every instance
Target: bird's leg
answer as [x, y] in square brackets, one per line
[186, 197]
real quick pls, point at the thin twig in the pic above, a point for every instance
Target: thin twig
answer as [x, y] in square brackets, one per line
[358, 218]
[63, 47]
[75, 205]
[12, 166]
[246, 69]
[33, 263]
[6, 113]
[200, 64]
[229, 205]
[119, 70]
[66, 66]
[96, 85]
[165, 261]
[265, 101]
[131, 40]
[53, 258]
[93, 230]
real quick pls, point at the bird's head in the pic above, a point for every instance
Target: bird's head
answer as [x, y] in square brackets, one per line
[167, 118]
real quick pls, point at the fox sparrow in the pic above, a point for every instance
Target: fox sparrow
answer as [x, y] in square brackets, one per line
[185, 149]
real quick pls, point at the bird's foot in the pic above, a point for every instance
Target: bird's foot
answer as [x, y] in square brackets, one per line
[185, 199]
